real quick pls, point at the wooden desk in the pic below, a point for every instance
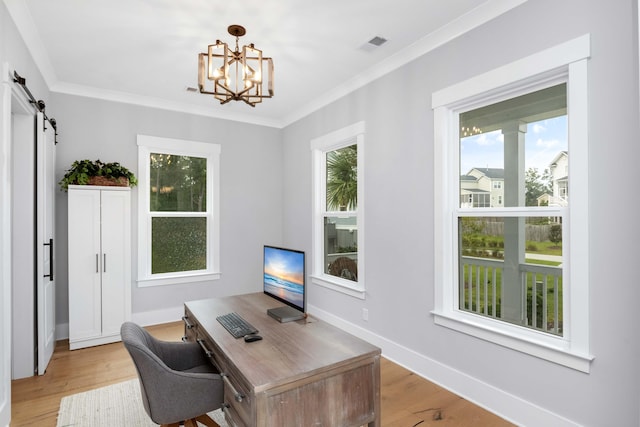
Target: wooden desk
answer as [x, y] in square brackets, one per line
[303, 373]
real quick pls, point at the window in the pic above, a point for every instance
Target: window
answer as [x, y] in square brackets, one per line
[338, 227]
[504, 271]
[178, 237]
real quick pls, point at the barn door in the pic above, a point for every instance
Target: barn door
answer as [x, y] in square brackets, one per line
[45, 241]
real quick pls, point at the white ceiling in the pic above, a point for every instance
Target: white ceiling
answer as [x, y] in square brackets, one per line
[145, 51]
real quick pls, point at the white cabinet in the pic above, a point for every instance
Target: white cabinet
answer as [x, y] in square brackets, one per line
[99, 263]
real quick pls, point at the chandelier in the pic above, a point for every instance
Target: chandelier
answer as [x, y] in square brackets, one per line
[238, 75]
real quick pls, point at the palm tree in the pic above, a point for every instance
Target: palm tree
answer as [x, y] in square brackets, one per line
[342, 178]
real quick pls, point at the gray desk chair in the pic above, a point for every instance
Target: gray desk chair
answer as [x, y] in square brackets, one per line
[177, 381]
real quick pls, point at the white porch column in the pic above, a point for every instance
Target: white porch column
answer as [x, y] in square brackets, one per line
[512, 306]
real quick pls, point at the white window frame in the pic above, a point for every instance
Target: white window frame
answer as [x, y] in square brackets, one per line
[350, 135]
[564, 62]
[153, 144]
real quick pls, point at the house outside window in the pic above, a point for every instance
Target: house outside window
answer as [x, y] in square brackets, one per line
[490, 281]
[559, 171]
[338, 227]
[178, 237]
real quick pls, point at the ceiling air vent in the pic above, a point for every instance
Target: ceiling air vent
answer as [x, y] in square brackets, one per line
[377, 41]
[373, 44]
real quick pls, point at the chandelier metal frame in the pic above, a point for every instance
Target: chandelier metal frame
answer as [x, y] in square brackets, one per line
[235, 75]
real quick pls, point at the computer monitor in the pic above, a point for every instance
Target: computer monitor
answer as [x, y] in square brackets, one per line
[284, 280]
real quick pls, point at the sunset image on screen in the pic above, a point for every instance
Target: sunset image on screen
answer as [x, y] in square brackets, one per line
[285, 266]
[284, 274]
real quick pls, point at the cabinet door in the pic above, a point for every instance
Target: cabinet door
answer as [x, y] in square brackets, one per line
[84, 264]
[116, 260]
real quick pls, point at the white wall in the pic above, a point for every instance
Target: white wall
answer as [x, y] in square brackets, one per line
[251, 195]
[399, 218]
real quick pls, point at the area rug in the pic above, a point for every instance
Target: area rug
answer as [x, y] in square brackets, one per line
[115, 405]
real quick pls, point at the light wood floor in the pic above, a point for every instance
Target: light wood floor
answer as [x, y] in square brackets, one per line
[407, 399]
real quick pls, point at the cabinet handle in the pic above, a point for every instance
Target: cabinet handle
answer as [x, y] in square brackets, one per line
[236, 395]
[186, 322]
[207, 352]
[97, 263]
[104, 263]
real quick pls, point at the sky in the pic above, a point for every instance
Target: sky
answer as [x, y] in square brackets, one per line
[284, 264]
[543, 141]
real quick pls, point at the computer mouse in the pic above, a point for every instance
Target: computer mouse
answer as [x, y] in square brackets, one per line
[252, 338]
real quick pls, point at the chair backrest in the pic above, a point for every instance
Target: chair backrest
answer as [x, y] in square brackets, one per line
[177, 381]
[143, 350]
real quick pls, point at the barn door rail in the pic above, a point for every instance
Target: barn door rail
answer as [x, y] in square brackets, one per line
[39, 104]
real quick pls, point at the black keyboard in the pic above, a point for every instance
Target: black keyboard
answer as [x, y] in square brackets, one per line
[236, 325]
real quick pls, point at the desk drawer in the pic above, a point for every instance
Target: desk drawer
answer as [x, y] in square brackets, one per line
[237, 397]
[232, 417]
[190, 327]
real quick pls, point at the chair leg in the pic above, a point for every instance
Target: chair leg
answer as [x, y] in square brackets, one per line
[206, 420]
[193, 422]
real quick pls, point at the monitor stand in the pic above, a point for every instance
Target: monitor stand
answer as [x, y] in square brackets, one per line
[285, 314]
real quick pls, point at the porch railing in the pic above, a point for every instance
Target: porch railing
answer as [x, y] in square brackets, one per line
[541, 290]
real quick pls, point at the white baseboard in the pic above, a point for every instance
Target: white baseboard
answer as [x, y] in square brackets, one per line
[146, 318]
[156, 317]
[499, 402]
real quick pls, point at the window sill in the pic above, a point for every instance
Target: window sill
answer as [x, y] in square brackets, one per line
[176, 280]
[339, 285]
[553, 349]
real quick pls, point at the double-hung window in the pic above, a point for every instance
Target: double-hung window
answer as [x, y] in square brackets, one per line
[178, 227]
[338, 224]
[513, 269]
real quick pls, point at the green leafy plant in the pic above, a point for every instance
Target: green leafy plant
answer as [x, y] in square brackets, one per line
[555, 234]
[82, 172]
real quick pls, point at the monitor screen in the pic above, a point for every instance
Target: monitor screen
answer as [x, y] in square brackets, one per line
[284, 276]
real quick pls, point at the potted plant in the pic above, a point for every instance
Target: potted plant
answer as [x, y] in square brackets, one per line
[87, 172]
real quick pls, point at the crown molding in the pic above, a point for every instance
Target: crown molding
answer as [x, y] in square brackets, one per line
[160, 103]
